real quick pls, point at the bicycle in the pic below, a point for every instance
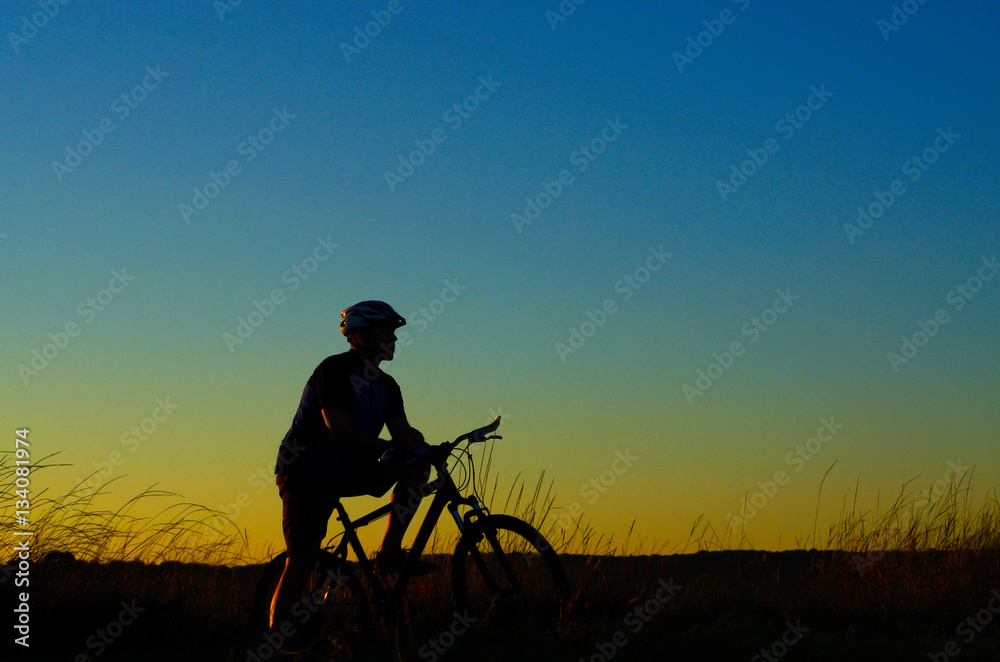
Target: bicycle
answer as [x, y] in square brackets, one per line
[502, 567]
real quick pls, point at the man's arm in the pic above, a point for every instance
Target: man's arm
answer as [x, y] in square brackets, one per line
[344, 432]
[403, 434]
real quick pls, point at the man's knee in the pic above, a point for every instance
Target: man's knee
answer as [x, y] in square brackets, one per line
[415, 476]
[302, 559]
[413, 486]
[422, 470]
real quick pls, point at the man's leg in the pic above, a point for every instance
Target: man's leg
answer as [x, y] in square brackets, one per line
[306, 507]
[407, 496]
[293, 580]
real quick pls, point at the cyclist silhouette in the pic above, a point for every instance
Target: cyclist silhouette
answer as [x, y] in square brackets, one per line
[332, 450]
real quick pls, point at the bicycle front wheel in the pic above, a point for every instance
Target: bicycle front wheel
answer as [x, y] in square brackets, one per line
[504, 570]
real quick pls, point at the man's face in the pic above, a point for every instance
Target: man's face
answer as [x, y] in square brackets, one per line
[382, 341]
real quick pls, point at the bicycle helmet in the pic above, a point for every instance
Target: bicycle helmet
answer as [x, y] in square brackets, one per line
[365, 313]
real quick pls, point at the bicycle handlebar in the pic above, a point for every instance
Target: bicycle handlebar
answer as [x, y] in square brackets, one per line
[478, 435]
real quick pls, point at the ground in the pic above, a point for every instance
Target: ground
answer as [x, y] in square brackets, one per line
[799, 605]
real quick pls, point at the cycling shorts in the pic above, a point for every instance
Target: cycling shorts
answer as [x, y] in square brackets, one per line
[308, 500]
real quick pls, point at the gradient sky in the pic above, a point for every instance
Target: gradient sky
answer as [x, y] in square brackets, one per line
[494, 348]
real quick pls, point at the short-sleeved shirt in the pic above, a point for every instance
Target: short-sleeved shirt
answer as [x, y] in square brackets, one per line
[348, 383]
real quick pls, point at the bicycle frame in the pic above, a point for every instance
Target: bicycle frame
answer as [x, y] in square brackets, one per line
[446, 495]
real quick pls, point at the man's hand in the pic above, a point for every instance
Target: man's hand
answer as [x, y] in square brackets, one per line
[410, 439]
[342, 431]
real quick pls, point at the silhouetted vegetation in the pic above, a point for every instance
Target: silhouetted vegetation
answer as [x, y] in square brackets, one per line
[891, 584]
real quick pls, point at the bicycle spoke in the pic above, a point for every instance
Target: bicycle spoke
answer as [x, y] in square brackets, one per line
[330, 604]
[513, 574]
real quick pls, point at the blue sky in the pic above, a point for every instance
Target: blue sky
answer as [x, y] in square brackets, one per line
[323, 176]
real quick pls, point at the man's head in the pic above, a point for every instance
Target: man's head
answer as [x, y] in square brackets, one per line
[370, 328]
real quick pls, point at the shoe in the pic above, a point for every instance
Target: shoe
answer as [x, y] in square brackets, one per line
[388, 564]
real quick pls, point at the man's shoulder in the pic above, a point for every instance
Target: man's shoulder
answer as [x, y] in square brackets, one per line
[388, 380]
[350, 365]
[343, 363]
[344, 358]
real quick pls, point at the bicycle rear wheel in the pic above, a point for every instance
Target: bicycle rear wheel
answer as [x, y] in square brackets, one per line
[504, 570]
[332, 603]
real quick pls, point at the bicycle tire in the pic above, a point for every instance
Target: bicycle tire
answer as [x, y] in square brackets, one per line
[504, 570]
[332, 592]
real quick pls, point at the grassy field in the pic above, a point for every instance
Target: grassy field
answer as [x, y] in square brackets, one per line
[725, 606]
[901, 584]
